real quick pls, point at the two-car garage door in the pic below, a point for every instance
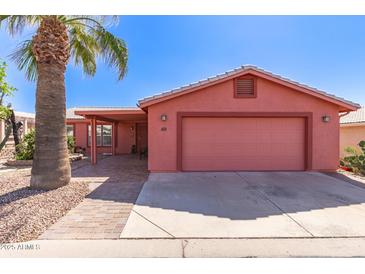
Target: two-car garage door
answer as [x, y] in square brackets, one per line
[242, 143]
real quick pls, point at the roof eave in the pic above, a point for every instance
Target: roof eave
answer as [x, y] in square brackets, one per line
[346, 106]
[107, 112]
[353, 124]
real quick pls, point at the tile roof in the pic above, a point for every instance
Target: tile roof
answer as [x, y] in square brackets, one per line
[70, 112]
[357, 116]
[24, 114]
[237, 71]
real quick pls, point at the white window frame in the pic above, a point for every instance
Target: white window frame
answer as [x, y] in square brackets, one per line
[100, 133]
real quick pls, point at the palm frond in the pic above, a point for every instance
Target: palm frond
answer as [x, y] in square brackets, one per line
[113, 50]
[91, 21]
[17, 23]
[3, 18]
[88, 39]
[83, 49]
[24, 58]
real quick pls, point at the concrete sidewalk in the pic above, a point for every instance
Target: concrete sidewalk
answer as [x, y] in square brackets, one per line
[188, 248]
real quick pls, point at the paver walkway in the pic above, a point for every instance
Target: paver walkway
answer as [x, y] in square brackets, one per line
[115, 183]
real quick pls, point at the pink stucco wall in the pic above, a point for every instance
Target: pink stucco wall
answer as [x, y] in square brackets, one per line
[350, 136]
[125, 137]
[271, 97]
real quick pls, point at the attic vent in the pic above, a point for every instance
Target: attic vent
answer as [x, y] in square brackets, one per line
[245, 87]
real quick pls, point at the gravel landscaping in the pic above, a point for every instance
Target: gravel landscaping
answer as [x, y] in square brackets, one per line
[26, 213]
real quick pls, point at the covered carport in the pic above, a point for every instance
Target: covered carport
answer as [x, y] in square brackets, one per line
[115, 117]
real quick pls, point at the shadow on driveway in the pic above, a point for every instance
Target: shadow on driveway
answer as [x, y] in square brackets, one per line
[247, 204]
[248, 195]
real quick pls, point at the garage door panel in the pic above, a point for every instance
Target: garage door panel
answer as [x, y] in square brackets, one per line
[243, 143]
[222, 151]
[237, 163]
[286, 150]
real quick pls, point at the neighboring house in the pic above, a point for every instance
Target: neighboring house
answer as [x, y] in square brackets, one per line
[352, 130]
[244, 119]
[28, 121]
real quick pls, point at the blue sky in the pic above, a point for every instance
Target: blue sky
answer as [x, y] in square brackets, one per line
[326, 52]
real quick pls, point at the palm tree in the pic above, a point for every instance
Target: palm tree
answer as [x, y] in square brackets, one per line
[44, 59]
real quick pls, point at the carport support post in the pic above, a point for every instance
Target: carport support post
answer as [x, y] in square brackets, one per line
[114, 131]
[93, 141]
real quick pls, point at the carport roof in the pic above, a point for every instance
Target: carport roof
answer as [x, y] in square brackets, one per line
[106, 113]
[247, 69]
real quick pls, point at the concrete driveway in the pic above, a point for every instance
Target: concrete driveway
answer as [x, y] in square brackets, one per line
[247, 204]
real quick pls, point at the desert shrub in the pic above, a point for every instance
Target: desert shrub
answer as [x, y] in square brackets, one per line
[71, 144]
[355, 159]
[26, 147]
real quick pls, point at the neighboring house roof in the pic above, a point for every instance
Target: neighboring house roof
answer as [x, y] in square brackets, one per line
[24, 114]
[354, 117]
[248, 69]
[70, 114]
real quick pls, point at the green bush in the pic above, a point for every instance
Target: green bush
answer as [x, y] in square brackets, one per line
[71, 144]
[355, 159]
[26, 147]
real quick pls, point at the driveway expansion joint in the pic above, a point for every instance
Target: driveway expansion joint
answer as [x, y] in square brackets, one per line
[184, 244]
[264, 196]
[159, 227]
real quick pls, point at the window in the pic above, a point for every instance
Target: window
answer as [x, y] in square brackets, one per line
[107, 135]
[103, 135]
[70, 130]
[245, 87]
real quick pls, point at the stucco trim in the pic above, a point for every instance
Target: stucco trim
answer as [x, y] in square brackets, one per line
[308, 116]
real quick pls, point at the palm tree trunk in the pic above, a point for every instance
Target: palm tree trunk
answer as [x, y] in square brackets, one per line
[51, 166]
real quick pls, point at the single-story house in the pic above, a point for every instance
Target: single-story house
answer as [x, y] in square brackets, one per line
[244, 119]
[352, 130]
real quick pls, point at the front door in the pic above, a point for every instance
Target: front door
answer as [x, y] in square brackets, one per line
[141, 137]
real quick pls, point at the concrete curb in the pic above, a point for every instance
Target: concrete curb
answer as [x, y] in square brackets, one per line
[187, 248]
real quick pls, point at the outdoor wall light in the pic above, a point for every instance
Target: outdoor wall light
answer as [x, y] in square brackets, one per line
[163, 117]
[326, 118]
